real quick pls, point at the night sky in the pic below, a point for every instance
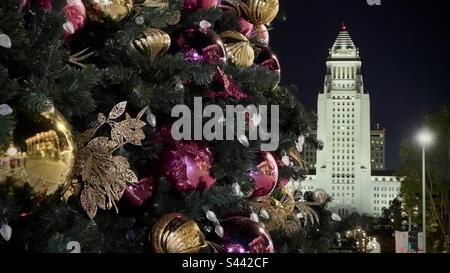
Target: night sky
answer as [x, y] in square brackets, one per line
[405, 50]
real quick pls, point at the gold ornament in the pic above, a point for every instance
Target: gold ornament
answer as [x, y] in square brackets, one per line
[260, 12]
[175, 233]
[114, 10]
[239, 49]
[153, 44]
[155, 3]
[40, 152]
[289, 214]
[104, 176]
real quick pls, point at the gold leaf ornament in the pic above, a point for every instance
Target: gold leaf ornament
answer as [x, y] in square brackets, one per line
[153, 43]
[239, 49]
[260, 12]
[175, 233]
[105, 176]
[107, 10]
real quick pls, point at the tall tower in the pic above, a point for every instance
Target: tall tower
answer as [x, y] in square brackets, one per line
[343, 166]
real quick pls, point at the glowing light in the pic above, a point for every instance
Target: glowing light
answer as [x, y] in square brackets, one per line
[12, 150]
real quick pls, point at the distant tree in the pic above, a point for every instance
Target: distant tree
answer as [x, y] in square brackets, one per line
[437, 180]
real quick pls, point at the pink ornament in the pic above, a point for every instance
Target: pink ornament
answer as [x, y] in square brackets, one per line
[283, 183]
[230, 88]
[264, 174]
[200, 45]
[45, 4]
[194, 5]
[246, 27]
[76, 16]
[267, 58]
[137, 194]
[242, 235]
[260, 34]
[188, 166]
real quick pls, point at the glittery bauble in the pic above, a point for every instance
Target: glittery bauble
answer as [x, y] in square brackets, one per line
[242, 235]
[260, 35]
[108, 10]
[200, 45]
[194, 5]
[265, 175]
[76, 16]
[139, 193]
[175, 233]
[154, 43]
[188, 166]
[39, 153]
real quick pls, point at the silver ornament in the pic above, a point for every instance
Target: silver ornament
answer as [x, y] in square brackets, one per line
[6, 232]
[179, 86]
[254, 217]
[264, 214]
[68, 27]
[205, 24]
[335, 217]
[244, 141]
[219, 231]
[139, 20]
[151, 118]
[5, 41]
[211, 216]
[5, 110]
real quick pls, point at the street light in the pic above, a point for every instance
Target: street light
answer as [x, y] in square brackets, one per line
[425, 138]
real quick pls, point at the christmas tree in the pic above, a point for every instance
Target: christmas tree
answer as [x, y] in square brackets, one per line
[97, 151]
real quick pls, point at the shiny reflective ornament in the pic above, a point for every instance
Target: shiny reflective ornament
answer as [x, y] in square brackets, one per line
[5, 41]
[239, 49]
[153, 43]
[265, 175]
[187, 165]
[246, 27]
[260, 35]
[242, 235]
[194, 5]
[175, 233]
[261, 12]
[200, 45]
[108, 10]
[138, 194]
[76, 16]
[40, 152]
[266, 58]
[5, 110]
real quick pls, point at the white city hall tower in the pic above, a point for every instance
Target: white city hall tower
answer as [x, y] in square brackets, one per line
[343, 166]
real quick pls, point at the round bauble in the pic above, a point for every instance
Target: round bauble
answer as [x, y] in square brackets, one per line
[175, 233]
[242, 235]
[108, 10]
[200, 45]
[137, 194]
[76, 16]
[259, 35]
[187, 165]
[266, 58]
[40, 152]
[194, 5]
[264, 173]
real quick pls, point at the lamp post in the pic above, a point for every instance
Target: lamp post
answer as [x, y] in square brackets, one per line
[425, 138]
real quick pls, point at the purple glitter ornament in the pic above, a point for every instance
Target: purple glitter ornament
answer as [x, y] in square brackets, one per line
[268, 59]
[242, 235]
[187, 165]
[137, 194]
[194, 5]
[265, 175]
[200, 45]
